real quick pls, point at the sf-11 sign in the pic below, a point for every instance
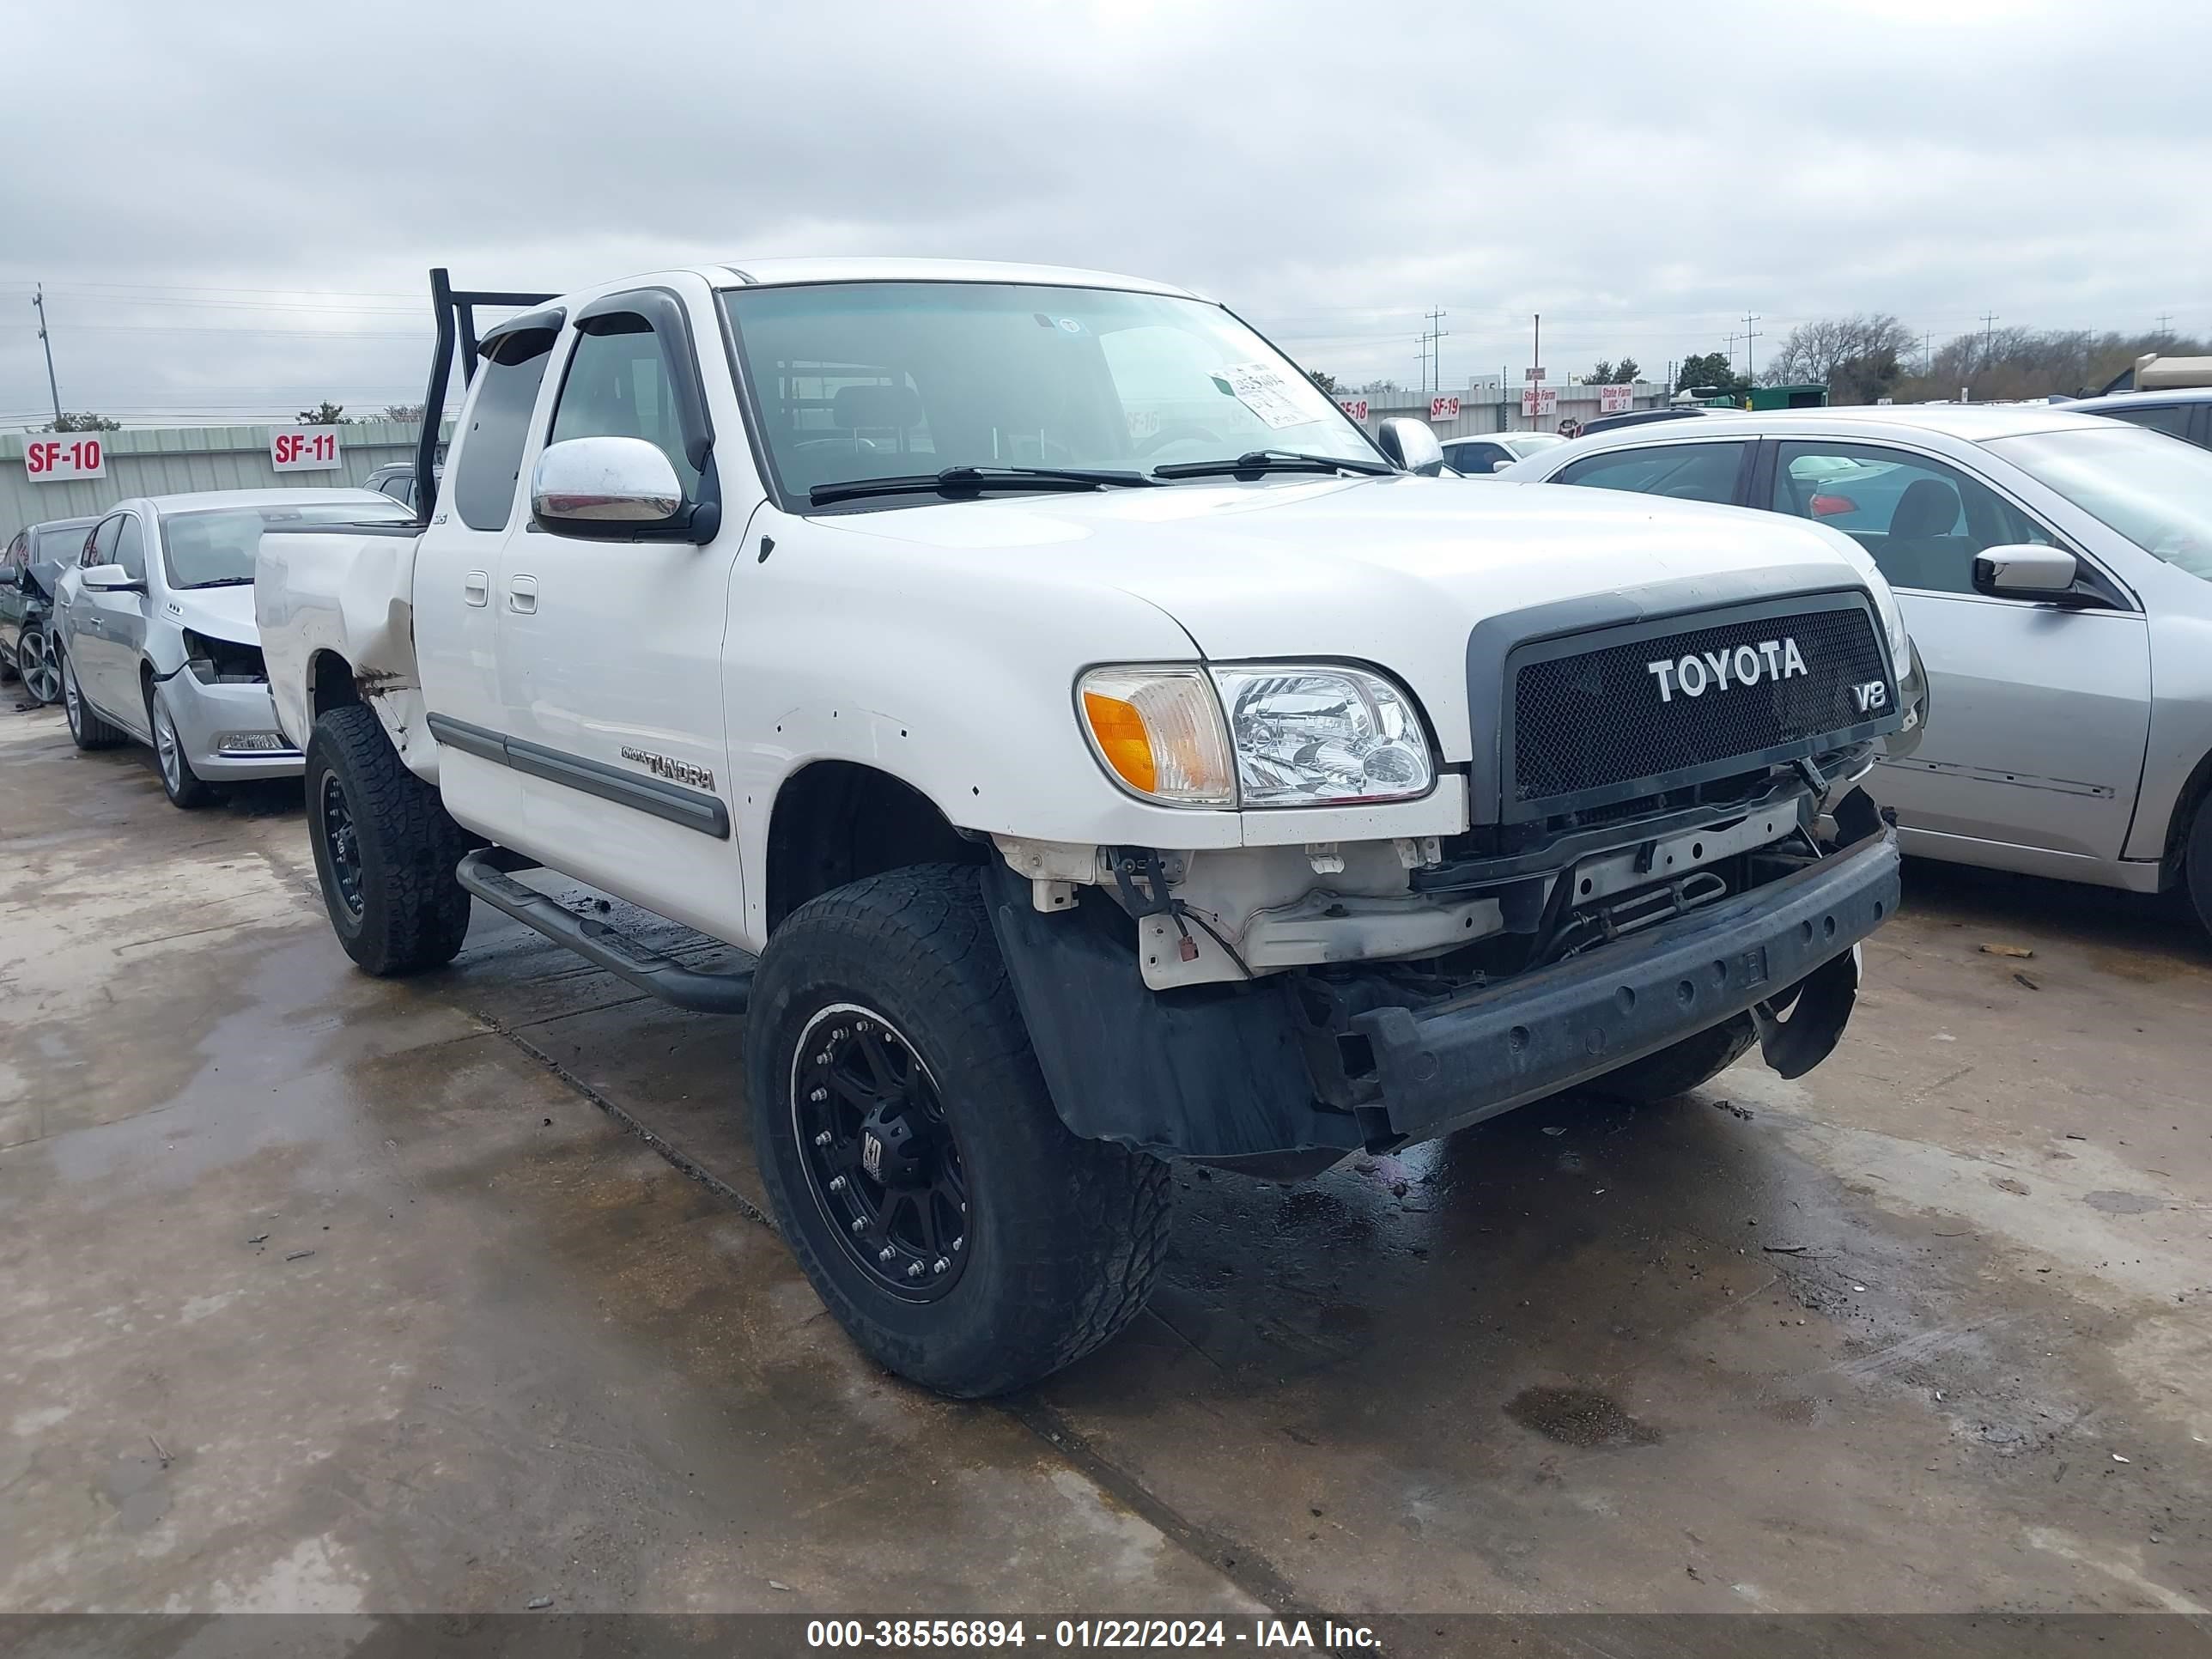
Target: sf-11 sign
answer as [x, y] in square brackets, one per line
[1615, 399]
[305, 449]
[1443, 409]
[55, 460]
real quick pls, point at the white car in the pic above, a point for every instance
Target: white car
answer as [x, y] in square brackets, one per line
[1111, 755]
[1478, 458]
[154, 632]
[2056, 569]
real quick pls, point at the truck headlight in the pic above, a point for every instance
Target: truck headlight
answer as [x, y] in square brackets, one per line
[1256, 734]
[1311, 734]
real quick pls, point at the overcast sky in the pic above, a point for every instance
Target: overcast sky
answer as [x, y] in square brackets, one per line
[233, 206]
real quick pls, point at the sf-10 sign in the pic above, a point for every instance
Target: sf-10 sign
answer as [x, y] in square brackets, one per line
[52, 460]
[305, 449]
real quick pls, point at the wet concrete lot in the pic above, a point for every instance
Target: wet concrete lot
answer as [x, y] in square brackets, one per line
[319, 1293]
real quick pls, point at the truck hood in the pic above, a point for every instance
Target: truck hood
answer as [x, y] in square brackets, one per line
[220, 613]
[1394, 571]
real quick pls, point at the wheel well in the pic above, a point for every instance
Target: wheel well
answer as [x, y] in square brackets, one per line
[836, 821]
[330, 684]
[2184, 814]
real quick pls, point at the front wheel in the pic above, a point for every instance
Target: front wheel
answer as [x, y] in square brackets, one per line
[2196, 863]
[958, 1231]
[385, 849]
[1680, 1067]
[184, 787]
[34, 662]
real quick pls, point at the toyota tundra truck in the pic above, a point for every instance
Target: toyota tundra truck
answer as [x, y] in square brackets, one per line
[1101, 750]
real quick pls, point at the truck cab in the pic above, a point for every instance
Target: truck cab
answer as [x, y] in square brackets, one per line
[1105, 752]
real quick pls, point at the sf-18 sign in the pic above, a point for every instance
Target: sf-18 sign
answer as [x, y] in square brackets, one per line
[1443, 409]
[1615, 399]
[76, 455]
[304, 449]
[1538, 400]
[1355, 407]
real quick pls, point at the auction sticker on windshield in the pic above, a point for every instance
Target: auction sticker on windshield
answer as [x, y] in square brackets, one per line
[1265, 389]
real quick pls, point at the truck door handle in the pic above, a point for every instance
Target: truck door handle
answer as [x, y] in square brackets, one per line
[522, 595]
[93, 622]
[475, 588]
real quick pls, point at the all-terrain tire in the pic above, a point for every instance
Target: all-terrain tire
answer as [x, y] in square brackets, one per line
[405, 911]
[1680, 1068]
[1064, 1236]
[2196, 863]
[86, 729]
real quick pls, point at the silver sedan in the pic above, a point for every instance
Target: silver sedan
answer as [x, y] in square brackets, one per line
[2056, 570]
[156, 636]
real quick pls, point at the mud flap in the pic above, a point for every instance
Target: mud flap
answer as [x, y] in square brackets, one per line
[1799, 1030]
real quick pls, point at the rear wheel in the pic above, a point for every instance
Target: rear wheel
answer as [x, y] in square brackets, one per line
[86, 729]
[184, 787]
[958, 1231]
[34, 661]
[385, 849]
[1680, 1068]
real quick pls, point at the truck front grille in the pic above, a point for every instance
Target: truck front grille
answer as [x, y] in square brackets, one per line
[1627, 712]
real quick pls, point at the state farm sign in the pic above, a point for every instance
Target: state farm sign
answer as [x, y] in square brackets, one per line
[1615, 399]
[76, 455]
[1538, 400]
[305, 449]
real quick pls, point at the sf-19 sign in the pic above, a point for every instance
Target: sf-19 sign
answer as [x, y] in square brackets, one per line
[52, 460]
[305, 449]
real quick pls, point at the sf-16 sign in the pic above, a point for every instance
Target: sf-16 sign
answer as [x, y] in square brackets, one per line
[55, 460]
[304, 449]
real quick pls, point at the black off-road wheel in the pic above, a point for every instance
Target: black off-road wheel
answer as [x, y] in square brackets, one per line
[1680, 1068]
[957, 1230]
[86, 729]
[385, 849]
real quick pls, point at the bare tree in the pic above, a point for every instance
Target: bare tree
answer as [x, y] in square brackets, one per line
[2027, 362]
[408, 412]
[1858, 358]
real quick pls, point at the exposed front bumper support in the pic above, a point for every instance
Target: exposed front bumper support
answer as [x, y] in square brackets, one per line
[1458, 1061]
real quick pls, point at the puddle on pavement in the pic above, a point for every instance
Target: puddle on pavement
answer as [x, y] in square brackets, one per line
[1578, 1417]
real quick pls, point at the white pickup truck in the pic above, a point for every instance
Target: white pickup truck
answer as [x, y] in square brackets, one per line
[1108, 753]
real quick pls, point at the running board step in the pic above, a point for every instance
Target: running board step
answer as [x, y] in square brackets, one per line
[486, 874]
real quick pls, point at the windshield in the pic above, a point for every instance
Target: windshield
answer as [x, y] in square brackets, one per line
[2153, 489]
[214, 547]
[890, 379]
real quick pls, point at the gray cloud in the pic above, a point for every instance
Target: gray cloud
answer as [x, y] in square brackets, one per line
[233, 208]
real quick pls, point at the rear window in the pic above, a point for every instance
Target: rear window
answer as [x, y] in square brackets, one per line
[499, 428]
[215, 547]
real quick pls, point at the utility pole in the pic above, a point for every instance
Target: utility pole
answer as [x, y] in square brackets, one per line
[39, 302]
[1430, 352]
[1989, 333]
[1927, 355]
[2164, 325]
[1536, 354]
[1732, 339]
[1749, 335]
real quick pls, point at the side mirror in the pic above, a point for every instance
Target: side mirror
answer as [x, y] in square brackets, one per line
[111, 579]
[1500, 466]
[2025, 572]
[1411, 445]
[606, 490]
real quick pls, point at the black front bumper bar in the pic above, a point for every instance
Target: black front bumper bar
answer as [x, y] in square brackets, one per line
[1453, 1063]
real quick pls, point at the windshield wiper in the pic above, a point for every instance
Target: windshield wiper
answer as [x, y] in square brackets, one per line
[1270, 460]
[970, 480]
[220, 581]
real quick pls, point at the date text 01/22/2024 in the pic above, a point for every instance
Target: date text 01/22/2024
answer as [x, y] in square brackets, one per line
[1287, 1633]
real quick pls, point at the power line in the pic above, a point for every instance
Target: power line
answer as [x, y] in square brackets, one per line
[1749, 335]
